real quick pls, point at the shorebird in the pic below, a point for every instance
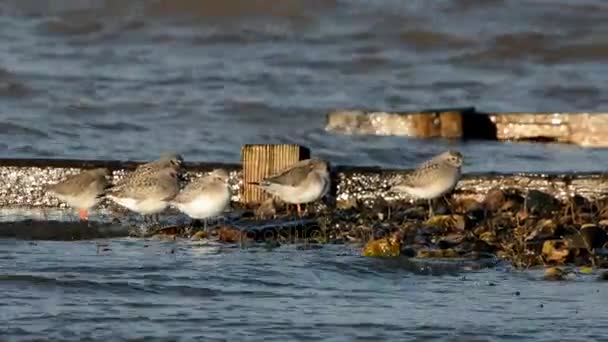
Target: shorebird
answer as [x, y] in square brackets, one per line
[165, 160]
[204, 197]
[146, 193]
[303, 182]
[82, 191]
[431, 179]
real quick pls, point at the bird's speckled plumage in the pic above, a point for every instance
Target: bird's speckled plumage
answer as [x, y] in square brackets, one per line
[146, 192]
[173, 160]
[431, 179]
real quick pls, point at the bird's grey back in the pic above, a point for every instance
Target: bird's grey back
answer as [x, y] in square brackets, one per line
[427, 172]
[94, 180]
[148, 170]
[197, 186]
[162, 184]
[292, 175]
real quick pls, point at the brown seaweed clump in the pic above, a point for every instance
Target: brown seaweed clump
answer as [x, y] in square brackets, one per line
[525, 229]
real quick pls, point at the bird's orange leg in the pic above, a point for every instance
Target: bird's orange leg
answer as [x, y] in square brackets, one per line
[299, 210]
[84, 216]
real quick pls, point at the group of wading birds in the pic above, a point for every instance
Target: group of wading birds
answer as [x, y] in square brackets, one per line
[154, 186]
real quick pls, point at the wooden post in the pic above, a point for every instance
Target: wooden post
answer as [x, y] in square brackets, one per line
[261, 161]
[451, 124]
[425, 125]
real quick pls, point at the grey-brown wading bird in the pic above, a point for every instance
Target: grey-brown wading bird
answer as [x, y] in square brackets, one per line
[174, 160]
[303, 182]
[205, 197]
[150, 187]
[431, 179]
[82, 191]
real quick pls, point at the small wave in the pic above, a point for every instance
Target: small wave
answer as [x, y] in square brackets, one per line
[186, 291]
[30, 150]
[8, 128]
[430, 40]
[465, 5]
[237, 38]
[581, 96]
[118, 127]
[513, 46]
[592, 52]
[10, 86]
[114, 287]
[536, 46]
[236, 8]
[69, 27]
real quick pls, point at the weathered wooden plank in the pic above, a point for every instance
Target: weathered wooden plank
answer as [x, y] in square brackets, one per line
[261, 161]
[444, 122]
[580, 128]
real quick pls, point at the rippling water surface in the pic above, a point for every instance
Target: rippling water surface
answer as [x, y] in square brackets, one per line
[128, 80]
[167, 290]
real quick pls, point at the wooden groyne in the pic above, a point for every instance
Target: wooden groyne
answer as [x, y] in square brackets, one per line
[526, 219]
[580, 128]
[22, 181]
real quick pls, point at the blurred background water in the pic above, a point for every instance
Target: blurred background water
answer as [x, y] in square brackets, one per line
[108, 79]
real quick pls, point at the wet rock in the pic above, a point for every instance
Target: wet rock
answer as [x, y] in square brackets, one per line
[386, 247]
[555, 251]
[349, 203]
[593, 236]
[266, 210]
[200, 235]
[585, 270]
[408, 251]
[581, 203]
[380, 231]
[416, 212]
[554, 273]
[480, 246]
[471, 208]
[163, 237]
[514, 201]
[229, 234]
[450, 240]
[170, 231]
[499, 222]
[522, 215]
[510, 206]
[544, 229]
[437, 253]
[541, 203]
[489, 237]
[494, 201]
[448, 223]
